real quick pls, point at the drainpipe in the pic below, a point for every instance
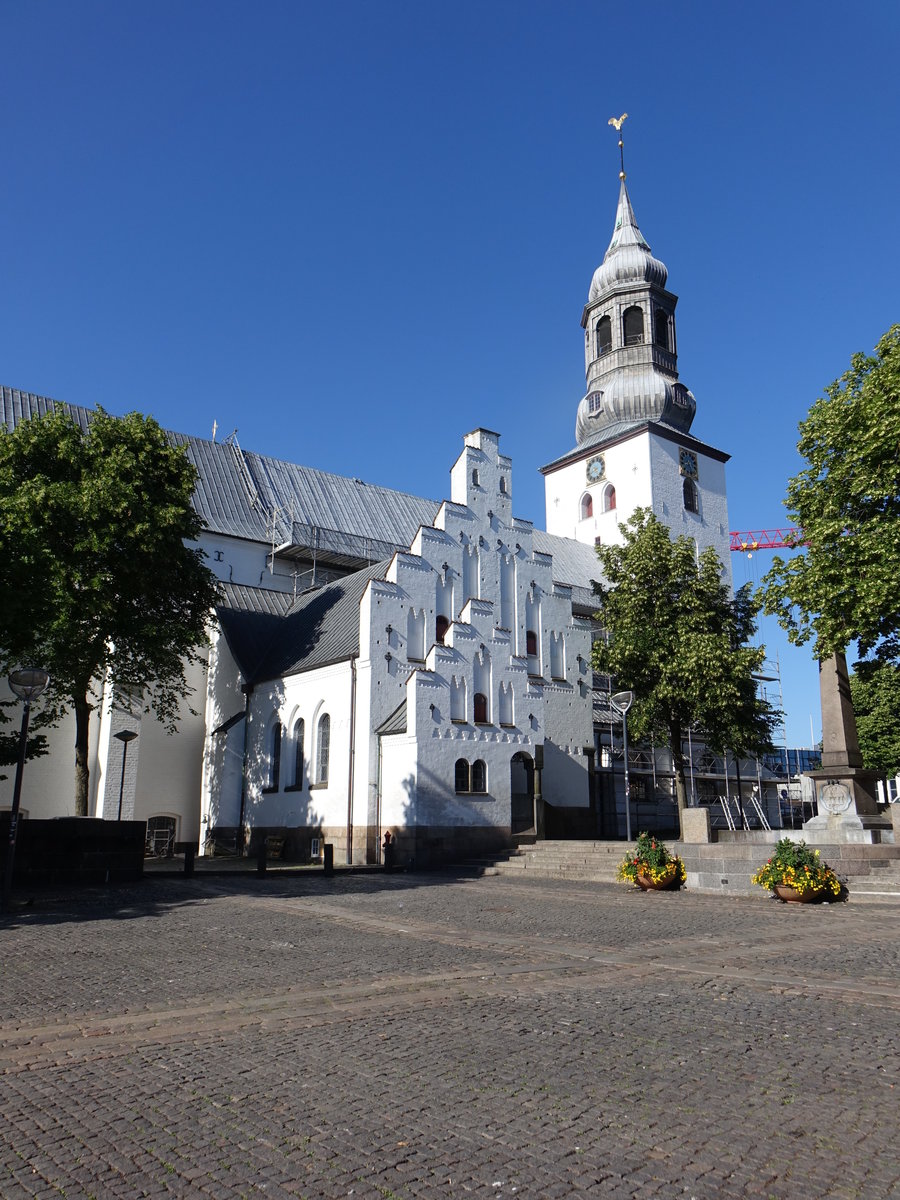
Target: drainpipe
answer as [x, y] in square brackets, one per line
[377, 858]
[352, 762]
[247, 689]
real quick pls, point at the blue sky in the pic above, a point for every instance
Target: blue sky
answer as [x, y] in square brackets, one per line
[354, 231]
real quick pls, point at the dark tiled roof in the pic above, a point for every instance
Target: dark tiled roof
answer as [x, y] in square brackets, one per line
[250, 619]
[395, 723]
[322, 627]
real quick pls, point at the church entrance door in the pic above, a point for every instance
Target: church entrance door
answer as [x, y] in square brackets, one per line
[521, 786]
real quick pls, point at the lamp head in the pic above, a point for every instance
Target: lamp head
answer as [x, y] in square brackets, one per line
[28, 682]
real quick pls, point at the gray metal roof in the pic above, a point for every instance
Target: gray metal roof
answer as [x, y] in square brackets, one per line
[16, 406]
[240, 494]
[251, 495]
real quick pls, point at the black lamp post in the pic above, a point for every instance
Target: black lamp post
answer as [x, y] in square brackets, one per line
[27, 683]
[125, 736]
[621, 702]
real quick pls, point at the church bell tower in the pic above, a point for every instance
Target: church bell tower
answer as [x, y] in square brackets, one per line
[633, 445]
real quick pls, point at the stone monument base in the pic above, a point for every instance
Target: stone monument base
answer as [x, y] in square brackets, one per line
[847, 808]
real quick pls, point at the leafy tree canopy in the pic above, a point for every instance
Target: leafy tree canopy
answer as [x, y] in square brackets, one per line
[843, 588]
[875, 688]
[678, 639]
[96, 572]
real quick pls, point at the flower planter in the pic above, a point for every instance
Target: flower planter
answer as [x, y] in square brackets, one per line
[668, 881]
[790, 895]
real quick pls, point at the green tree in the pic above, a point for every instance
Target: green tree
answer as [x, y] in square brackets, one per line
[875, 688]
[846, 503]
[96, 572]
[678, 639]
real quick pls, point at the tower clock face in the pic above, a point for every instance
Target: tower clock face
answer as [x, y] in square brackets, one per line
[596, 469]
[687, 461]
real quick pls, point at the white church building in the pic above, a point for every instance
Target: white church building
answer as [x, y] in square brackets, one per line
[384, 662]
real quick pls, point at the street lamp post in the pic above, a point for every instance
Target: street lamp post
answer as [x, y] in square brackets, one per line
[125, 736]
[27, 683]
[621, 702]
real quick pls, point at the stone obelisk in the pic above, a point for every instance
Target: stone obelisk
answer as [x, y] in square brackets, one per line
[845, 791]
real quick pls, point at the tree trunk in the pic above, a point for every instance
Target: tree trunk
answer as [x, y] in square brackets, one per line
[678, 765]
[82, 772]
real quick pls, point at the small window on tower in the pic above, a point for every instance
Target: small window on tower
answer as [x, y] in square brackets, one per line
[691, 496]
[604, 336]
[661, 328]
[475, 477]
[609, 498]
[633, 326]
[503, 484]
[587, 506]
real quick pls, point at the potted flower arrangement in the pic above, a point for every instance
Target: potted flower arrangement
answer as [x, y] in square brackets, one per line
[650, 865]
[794, 872]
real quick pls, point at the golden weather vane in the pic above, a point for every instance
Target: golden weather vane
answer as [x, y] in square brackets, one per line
[617, 123]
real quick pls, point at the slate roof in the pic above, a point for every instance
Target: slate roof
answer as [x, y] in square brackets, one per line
[396, 722]
[319, 628]
[250, 619]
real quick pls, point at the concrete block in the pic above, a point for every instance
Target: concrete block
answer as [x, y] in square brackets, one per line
[695, 825]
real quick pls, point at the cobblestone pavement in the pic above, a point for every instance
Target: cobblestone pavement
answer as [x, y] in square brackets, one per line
[429, 1036]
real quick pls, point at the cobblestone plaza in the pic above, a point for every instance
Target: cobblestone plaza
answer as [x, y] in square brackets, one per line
[437, 1035]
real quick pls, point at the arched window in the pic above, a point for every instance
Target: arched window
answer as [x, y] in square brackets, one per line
[299, 729]
[475, 477]
[633, 326]
[661, 328]
[441, 625]
[274, 757]
[691, 497]
[503, 484]
[531, 649]
[609, 498]
[323, 744]
[481, 709]
[604, 336]
[587, 506]
[461, 775]
[479, 776]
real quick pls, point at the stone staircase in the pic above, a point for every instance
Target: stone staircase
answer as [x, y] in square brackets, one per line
[879, 885]
[593, 862]
[720, 868]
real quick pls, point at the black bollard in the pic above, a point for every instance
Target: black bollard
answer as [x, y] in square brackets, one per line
[261, 858]
[189, 860]
[328, 859]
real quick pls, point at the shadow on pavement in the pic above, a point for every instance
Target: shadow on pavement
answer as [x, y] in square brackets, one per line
[156, 894]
